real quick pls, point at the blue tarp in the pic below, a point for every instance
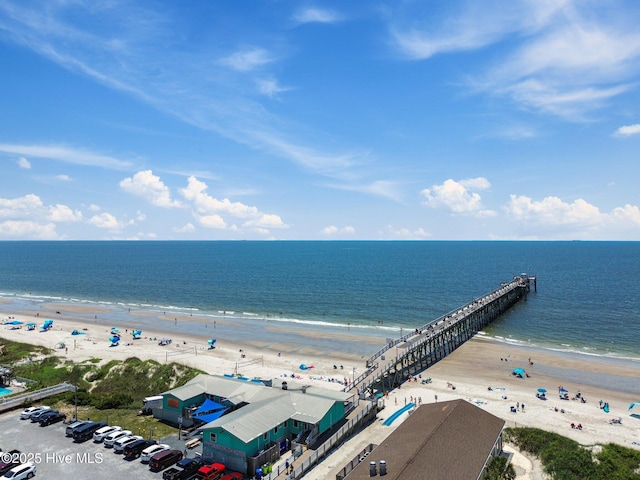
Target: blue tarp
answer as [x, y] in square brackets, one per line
[209, 411]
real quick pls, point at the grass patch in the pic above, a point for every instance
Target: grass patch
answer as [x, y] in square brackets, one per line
[566, 459]
[15, 352]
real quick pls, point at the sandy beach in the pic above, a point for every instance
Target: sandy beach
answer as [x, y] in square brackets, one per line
[480, 370]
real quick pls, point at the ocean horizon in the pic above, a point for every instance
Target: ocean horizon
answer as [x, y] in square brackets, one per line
[586, 300]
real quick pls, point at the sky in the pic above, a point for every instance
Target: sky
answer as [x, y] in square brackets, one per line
[319, 120]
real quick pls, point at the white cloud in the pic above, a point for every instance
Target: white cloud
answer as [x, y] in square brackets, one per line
[65, 154]
[24, 229]
[247, 60]
[208, 210]
[628, 130]
[265, 221]
[553, 211]
[332, 230]
[458, 197]
[146, 185]
[62, 213]
[25, 206]
[405, 233]
[563, 58]
[316, 15]
[212, 221]
[94, 208]
[270, 87]
[63, 178]
[24, 163]
[107, 221]
[187, 228]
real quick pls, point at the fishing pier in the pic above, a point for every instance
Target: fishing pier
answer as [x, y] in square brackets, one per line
[416, 351]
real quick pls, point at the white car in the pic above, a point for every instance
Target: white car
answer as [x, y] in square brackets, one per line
[149, 452]
[24, 470]
[110, 439]
[100, 434]
[27, 412]
[118, 447]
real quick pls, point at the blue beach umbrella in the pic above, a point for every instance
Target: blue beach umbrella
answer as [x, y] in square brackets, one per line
[542, 390]
[633, 405]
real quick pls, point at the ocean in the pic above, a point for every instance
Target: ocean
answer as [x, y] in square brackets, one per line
[587, 298]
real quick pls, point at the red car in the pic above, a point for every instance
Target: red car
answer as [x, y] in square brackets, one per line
[211, 472]
[233, 476]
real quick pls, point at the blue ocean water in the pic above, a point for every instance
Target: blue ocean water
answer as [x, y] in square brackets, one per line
[588, 298]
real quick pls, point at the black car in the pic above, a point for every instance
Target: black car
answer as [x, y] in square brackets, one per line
[85, 432]
[52, 418]
[14, 461]
[38, 415]
[134, 449]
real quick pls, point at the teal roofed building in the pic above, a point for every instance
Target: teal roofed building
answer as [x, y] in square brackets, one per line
[247, 423]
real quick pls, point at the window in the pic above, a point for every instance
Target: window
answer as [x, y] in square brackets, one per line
[214, 438]
[264, 437]
[275, 430]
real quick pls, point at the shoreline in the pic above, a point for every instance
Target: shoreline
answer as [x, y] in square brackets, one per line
[473, 368]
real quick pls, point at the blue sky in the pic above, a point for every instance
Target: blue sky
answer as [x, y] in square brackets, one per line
[441, 120]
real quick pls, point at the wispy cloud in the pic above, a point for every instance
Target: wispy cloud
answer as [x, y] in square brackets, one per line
[316, 15]
[247, 59]
[24, 163]
[553, 57]
[67, 155]
[211, 88]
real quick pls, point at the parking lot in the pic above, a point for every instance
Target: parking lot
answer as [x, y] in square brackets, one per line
[57, 456]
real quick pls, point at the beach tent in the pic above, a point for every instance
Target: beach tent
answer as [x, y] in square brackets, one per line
[114, 331]
[633, 405]
[31, 326]
[136, 334]
[115, 340]
[519, 372]
[211, 343]
[76, 332]
[14, 322]
[48, 324]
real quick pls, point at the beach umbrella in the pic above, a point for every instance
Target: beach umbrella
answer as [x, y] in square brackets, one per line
[633, 405]
[563, 390]
[542, 390]
[518, 371]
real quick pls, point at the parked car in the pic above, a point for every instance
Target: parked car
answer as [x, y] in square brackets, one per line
[149, 452]
[22, 471]
[85, 432]
[134, 450]
[73, 426]
[211, 472]
[5, 466]
[52, 418]
[233, 476]
[110, 439]
[184, 469]
[100, 434]
[27, 412]
[35, 416]
[118, 447]
[164, 459]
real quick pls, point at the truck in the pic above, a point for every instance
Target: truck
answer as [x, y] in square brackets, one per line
[184, 469]
[149, 403]
[211, 472]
